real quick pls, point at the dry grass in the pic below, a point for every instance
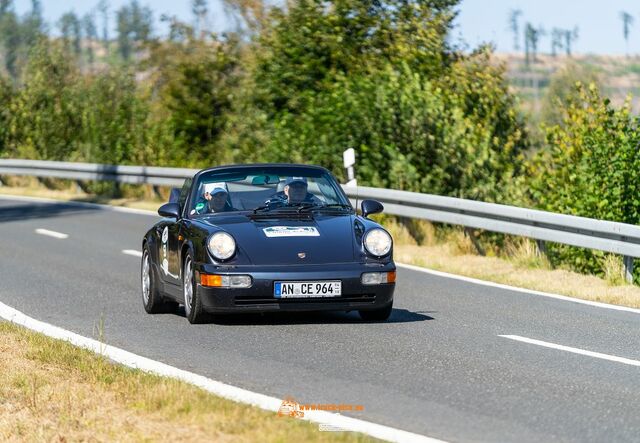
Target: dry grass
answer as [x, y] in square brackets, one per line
[53, 391]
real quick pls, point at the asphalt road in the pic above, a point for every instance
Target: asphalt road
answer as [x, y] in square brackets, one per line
[439, 366]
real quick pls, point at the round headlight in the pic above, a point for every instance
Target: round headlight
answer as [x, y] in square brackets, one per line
[377, 242]
[221, 245]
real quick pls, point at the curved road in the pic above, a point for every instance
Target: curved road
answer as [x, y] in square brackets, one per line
[440, 366]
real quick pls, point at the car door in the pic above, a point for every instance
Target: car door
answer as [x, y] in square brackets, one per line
[170, 245]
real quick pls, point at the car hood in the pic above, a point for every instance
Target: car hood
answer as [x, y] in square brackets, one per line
[281, 241]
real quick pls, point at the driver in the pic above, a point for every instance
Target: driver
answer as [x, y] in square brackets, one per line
[294, 193]
[215, 200]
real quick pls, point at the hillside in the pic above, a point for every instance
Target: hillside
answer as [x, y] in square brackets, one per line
[618, 76]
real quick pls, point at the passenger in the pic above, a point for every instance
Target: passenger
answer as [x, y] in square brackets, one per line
[294, 193]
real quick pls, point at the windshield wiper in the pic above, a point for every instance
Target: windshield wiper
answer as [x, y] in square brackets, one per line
[318, 207]
[261, 208]
[272, 207]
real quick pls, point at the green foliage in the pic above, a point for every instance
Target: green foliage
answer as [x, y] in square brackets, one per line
[562, 91]
[6, 96]
[591, 168]
[61, 114]
[134, 24]
[69, 25]
[45, 114]
[191, 88]
[383, 81]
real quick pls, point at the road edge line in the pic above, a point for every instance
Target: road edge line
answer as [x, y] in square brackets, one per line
[517, 289]
[220, 389]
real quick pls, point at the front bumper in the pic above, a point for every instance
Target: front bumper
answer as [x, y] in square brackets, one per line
[259, 297]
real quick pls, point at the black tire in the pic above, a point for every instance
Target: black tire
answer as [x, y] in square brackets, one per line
[152, 299]
[380, 314]
[192, 304]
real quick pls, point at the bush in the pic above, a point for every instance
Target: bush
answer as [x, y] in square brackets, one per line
[591, 168]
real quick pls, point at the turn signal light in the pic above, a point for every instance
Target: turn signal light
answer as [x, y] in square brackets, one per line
[225, 281]
[211, 280]
[391, 277]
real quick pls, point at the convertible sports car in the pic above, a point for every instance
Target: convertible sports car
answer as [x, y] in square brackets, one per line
[267, 237]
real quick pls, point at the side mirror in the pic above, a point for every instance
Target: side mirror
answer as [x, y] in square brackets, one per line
[174, 197]
[171, 210]
[371, 207]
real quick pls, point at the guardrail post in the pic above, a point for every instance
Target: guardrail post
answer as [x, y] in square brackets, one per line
[156, 191]
[81, 187]
[476, 244]
[542, 247]
[628, 268]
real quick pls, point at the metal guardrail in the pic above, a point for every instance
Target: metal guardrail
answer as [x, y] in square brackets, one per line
[151, 175]
[617, 238]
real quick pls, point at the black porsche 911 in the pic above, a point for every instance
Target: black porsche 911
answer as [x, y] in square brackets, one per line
[267, 237]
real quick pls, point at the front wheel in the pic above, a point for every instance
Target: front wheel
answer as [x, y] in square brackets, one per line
[152, 300]
[380, 314]
[192, 304]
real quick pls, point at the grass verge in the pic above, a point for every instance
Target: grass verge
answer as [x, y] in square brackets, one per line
[513, 273]
[52, 391]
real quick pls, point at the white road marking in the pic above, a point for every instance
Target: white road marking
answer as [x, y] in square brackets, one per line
[53, 234]
[132, 252]
[215, 387]
[626, 361]
[515, 289]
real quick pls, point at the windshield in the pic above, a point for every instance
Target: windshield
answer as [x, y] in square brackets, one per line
[266, 189]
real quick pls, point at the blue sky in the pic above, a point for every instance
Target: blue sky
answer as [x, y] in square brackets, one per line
[478, 21]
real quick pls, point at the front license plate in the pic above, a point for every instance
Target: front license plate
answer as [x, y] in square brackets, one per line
[301, 289]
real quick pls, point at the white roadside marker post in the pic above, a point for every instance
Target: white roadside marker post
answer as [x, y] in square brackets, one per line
[628, 268]
[349, 159]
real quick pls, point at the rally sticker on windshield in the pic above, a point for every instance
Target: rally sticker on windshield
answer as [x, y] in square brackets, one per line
[291, 231]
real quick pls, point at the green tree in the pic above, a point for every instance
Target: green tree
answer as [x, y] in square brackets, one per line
[531, 39]
[570, 36]
[33, 26]
[514, 25]
[627, 22]
[113, 120]
[562, 91]
[45, 112]
[70, 28]
[193, 83]
[7, 93]
[384, 81]
[134, 24]
[591, 168]
[91, 34]
[10, 35]
[199, 9]
[557, 40]
[103, 9]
